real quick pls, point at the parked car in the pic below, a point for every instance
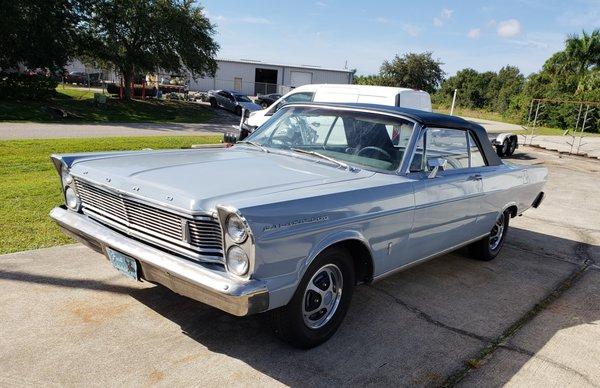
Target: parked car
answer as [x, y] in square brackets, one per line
[383, 95]
[231, 100]
[331, 196]
[505, 143]
[82, 78]
[267, 100]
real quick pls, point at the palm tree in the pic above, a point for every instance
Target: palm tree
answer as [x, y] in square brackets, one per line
[584, 52]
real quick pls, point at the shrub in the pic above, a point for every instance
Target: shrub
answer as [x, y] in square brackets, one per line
[18, 86]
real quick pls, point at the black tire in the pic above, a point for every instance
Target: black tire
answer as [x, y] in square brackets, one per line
[238, 110]
[213, 103]
[264, 105]
[487, 248]
[502, 150]
[289, 321]
[512, 147]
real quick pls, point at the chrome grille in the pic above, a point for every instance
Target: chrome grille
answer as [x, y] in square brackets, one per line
[201, 235]
[205, 234]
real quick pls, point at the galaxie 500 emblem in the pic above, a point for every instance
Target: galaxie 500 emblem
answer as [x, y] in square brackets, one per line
[301, 221]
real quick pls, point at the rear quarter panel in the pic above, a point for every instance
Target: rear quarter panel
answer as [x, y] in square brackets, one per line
[510, 185]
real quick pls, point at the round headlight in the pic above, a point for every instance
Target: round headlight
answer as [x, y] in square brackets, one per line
[237, 261]
[236, 229]
[67, 179]
[71, 198]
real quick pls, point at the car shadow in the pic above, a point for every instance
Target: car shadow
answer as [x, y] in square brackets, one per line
[417, 327]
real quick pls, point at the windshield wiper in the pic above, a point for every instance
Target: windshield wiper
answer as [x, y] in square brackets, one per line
[255, 144]
[319, 155]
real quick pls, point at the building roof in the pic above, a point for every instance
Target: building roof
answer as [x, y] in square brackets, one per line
[257, 62]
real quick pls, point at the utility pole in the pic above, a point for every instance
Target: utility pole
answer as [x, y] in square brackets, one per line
[453, 102]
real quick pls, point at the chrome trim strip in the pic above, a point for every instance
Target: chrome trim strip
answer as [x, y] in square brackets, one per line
[427, 258]
[185, 277]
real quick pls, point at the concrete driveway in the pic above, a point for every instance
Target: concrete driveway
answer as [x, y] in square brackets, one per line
[530, 317]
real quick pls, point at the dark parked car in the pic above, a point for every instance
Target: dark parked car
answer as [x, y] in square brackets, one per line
[267, 99]
[231, 100]
[82, 78]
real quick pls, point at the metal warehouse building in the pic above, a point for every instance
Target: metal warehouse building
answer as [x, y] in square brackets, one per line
[255, 77]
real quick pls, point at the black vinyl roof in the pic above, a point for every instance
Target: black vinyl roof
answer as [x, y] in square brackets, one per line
[427, 119]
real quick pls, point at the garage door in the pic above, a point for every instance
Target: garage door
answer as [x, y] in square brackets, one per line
[299, 78]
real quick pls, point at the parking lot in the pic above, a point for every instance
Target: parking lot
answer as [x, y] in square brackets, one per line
[532, 316]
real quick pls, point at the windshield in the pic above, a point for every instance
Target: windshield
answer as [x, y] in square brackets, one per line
[241, 98]
[367, 139]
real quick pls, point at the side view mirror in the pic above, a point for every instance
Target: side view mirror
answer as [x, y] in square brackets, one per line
[435, 165]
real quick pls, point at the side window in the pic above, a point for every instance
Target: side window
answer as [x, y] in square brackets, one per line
[449, 144]
[477, 159]
[299, 97]
[295, 97]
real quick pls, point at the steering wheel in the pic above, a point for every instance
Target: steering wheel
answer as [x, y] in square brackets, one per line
[377, 149]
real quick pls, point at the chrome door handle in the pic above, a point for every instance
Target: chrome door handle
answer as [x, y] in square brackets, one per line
[475, 177]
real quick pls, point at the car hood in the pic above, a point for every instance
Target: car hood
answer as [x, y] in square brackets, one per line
[199, 179]
[250, 106]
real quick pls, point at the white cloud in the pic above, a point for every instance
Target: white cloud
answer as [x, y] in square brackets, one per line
[254, 20]
[474, 33]
[509, 28]
[411, 30]
[381, 20]
[447, 13]
[321, 4]
[246, 20]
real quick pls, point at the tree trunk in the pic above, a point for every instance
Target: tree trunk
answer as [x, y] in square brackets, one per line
[127, 78]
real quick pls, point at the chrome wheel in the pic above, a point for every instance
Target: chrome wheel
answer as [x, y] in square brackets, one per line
[322, 296]
[497, 233]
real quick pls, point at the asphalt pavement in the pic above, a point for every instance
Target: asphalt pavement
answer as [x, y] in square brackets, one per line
[529, 318]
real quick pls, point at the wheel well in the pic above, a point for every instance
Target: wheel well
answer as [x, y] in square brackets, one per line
[361, 257]
[512, 210]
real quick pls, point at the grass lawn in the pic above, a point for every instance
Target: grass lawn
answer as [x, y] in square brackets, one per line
[474, 113]
[31, 187]
[80, 103]
[494, 116]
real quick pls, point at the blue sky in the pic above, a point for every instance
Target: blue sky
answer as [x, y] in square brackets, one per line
[482, 35]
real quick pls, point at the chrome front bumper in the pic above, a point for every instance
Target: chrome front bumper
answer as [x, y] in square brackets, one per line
[214, 288]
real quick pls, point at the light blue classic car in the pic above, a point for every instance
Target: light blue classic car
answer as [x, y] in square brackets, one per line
[320, 198]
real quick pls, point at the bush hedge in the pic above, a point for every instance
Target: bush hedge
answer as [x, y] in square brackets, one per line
[17, 86]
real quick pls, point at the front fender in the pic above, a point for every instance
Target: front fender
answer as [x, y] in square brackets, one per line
[282, 288]
[331, 239]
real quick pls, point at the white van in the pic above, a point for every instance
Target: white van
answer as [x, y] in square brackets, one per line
[382, 95]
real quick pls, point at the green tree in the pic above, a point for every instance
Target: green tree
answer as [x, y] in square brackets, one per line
[417, 71]
[507, 83]
[142, 36]
[38, 33]
[583, 51]
[373, 79]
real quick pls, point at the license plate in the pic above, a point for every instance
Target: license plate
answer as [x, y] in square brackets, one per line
[125, 264]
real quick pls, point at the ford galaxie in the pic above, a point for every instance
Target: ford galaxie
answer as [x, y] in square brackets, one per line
[320, 198]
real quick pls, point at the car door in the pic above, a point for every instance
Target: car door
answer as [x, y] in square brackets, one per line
[228, 101]
[446, 206]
